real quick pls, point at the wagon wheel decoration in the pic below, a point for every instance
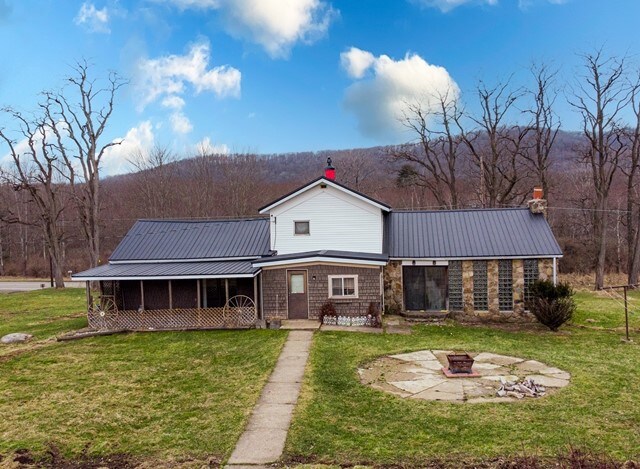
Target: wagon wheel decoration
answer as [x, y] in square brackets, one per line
[240, 309]
[103, 314]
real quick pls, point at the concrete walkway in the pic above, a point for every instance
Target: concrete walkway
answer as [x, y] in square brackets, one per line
[263, 440]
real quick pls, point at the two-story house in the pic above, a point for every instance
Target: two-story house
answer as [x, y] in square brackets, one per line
[324, 242]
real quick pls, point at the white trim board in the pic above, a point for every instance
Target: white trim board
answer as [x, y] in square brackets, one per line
[328, 183]
[163, 277]
[476, 258]
[320, 260]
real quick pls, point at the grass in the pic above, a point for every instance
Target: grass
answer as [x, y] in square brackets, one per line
[154, 395]
[43, 313]
[606, 309]
[338, 420]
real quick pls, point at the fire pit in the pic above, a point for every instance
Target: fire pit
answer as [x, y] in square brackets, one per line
[460, 363]
[460, 366]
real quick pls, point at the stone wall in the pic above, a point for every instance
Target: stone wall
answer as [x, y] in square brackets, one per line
[275, 290]
[392, 281]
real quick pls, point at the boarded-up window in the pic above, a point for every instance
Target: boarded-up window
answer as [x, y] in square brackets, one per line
[480, 286]
[456, 302]
[531, 274]
[505, 285]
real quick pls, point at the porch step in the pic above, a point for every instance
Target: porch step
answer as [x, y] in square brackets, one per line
[425, 316]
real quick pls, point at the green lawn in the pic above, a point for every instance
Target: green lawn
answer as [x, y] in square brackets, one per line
[606, 309]
[154, 395]
[338, 420]
[43, 313]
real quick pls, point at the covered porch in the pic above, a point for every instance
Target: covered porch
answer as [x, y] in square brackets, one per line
[211, 295]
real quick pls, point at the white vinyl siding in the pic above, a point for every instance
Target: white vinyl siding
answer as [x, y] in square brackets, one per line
[337, 221]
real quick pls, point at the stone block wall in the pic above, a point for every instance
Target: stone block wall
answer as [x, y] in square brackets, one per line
[393, 291]
[275, 290]
[392, 281]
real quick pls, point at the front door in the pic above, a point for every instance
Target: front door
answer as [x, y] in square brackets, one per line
[297, 285]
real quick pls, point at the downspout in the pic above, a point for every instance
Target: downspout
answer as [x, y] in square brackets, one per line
[555, 271]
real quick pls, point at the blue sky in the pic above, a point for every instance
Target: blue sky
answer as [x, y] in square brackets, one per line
[293, 75]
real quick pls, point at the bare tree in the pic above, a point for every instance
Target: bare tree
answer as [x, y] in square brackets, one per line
[630, 166]
[544, 125]
[434, 156]
[600, 94]
[37, 169]
[496, 147]
[78, 116]
[156, 176]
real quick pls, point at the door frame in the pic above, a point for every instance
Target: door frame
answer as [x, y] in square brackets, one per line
[446, 286]
[306, 278]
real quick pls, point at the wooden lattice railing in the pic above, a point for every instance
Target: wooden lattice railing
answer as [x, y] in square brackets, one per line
[173, 319]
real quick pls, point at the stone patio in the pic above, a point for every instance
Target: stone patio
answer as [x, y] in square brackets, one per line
[418, 375]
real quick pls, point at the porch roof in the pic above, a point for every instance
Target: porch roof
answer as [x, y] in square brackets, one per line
[169, 270]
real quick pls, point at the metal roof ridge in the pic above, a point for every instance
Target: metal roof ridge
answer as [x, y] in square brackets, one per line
[458, 210]
[204, 220]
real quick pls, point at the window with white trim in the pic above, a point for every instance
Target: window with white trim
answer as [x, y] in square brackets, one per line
[301, 227]
[343, 286]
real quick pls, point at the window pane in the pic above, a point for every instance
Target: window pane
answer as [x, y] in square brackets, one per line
[505, 285]
[456, 302]
[297, 283]
[336, 287]
[301, 227]
[349, 286]
[480, 286]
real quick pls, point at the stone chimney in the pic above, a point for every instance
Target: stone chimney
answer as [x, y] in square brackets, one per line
[538, 204]
[330, 171]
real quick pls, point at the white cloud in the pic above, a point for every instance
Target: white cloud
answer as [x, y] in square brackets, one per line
[276, 25]
[448, 5]
[173, 102]
[92, 19]
[206, 147]
[180, 123]
[168, 76]
[380, 100]
[137, 139]
[356, 61]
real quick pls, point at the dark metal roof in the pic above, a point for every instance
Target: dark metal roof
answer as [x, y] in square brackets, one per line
[360, 256]
[184, 239]
[487, 233]
[169, 270]
[321, 178]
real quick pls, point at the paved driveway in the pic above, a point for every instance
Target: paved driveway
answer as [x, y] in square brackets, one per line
[7, 287]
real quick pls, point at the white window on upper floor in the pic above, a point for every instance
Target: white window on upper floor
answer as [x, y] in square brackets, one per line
[343, 286]
[301, 227]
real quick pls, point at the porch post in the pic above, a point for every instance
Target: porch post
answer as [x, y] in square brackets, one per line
[142, 294]
[170, 295]
[88, 293]
[226, 291]
[205, 303]
[255, 294]
[198, 290]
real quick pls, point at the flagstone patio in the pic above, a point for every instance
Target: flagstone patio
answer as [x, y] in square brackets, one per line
[418, 375]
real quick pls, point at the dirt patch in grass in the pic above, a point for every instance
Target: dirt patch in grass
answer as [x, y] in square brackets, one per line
[54, 459]
[572, 459]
